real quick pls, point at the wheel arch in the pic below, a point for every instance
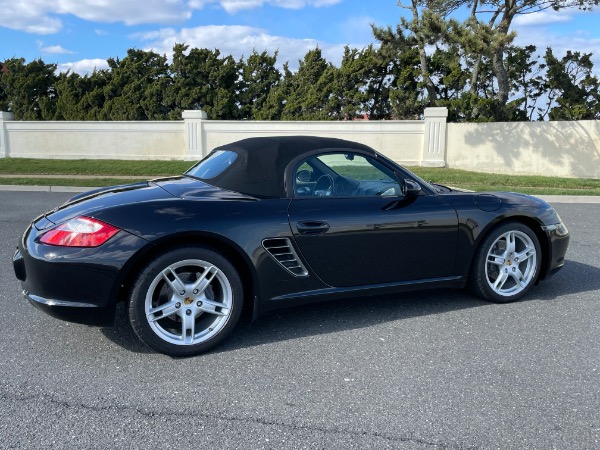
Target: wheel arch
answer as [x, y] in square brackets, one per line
[238, 258]
[532, 224]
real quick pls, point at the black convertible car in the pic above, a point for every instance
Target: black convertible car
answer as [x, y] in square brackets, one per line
[266, 223]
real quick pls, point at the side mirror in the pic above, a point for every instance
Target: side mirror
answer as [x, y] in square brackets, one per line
[411, 188]
[304, 176]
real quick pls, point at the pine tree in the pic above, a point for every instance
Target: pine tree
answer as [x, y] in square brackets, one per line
[28, 89]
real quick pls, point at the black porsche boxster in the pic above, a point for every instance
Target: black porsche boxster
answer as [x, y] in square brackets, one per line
[267, 223]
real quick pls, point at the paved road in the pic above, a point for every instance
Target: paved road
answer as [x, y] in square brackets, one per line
[420, 371]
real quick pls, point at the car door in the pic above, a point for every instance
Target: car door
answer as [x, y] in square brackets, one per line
[371, 234]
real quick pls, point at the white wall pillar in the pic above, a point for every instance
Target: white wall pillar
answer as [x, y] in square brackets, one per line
[195, 140]
[434, 139]
[4, 117]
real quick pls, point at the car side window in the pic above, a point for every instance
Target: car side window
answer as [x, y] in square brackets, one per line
[344, 174]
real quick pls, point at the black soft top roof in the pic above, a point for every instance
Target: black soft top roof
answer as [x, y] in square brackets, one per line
[260, 166]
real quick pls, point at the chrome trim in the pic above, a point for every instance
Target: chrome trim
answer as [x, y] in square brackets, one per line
[51, 302]
[283, 252]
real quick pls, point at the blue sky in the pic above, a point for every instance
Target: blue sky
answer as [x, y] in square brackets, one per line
[81, 34]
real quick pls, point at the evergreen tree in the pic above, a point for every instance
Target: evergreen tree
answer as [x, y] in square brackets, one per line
[3, 94]
[29, 90]
[573, 90]
[136, 87]
[202, 79]
[309, 88]
[258, 76]
[349, 86]
[272, 108]
[94, 99]
[494, 32]
[397, 89]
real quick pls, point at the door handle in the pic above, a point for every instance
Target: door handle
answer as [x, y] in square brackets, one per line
[312, 227]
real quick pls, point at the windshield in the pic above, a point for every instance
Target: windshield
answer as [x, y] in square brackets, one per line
[213, 165]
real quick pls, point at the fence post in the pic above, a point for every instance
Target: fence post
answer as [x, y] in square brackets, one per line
[434, 139]
[4, 117]
[195, 142]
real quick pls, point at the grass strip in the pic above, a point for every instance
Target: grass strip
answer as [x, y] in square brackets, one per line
[82, 182]
[102, 167]
[456, 177]
[107, 172]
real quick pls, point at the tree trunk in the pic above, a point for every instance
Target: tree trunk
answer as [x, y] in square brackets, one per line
[429, 86]
[431, 92]
[501, 76]
[498, 57]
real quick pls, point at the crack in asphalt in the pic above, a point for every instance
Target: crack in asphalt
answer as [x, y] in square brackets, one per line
[47, 398]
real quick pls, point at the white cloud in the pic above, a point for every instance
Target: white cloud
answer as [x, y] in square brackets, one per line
[542, 18]
[40, 16]
[239, 40]
[43, 16]
[233, 6]
[30, 16]
[55, 50]
[83, 67]
[130, 12]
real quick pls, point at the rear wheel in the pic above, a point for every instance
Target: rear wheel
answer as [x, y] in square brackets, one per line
[506, 264]
[186, 301]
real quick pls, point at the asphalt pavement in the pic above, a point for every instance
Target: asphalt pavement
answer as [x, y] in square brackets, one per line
[438, 369]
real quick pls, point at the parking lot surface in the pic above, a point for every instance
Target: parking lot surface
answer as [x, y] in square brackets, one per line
[437, 369]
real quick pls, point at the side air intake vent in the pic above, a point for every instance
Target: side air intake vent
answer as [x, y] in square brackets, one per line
[283, 252]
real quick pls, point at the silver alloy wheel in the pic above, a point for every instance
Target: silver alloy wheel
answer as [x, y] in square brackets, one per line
[188, 302]
[511, 263]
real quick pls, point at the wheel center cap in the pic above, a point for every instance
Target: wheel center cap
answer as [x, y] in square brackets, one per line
[509, 263]
[188, 300]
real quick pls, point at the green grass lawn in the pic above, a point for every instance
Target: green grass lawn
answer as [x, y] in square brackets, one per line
[102, 167]
[529, 184]
[85, 182]
[107, 172]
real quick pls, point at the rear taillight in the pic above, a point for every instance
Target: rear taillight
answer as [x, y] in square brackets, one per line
[80, 232]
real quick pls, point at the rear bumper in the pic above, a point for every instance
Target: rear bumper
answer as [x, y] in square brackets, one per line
[55, 278]
[83, 313]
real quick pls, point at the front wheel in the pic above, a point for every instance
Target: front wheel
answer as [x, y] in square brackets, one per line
[186, 301]
[506, 264]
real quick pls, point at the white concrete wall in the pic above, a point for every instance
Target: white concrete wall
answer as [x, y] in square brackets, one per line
[407, 141]
[401, 141]
[98, 140]
[195, 136]
[568, 149]
[565, 149]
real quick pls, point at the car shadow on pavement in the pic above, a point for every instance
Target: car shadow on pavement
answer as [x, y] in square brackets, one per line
[573, 278]
[348, 314]
[356, 313]
[315, 319]
[122, 334]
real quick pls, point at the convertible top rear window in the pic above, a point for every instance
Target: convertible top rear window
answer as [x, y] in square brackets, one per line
[213, 165]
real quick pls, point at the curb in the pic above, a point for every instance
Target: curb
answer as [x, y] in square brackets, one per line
[20, 188]
[569, 198]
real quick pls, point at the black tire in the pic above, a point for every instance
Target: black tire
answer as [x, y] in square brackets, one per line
[200, 315]
[501, 273]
